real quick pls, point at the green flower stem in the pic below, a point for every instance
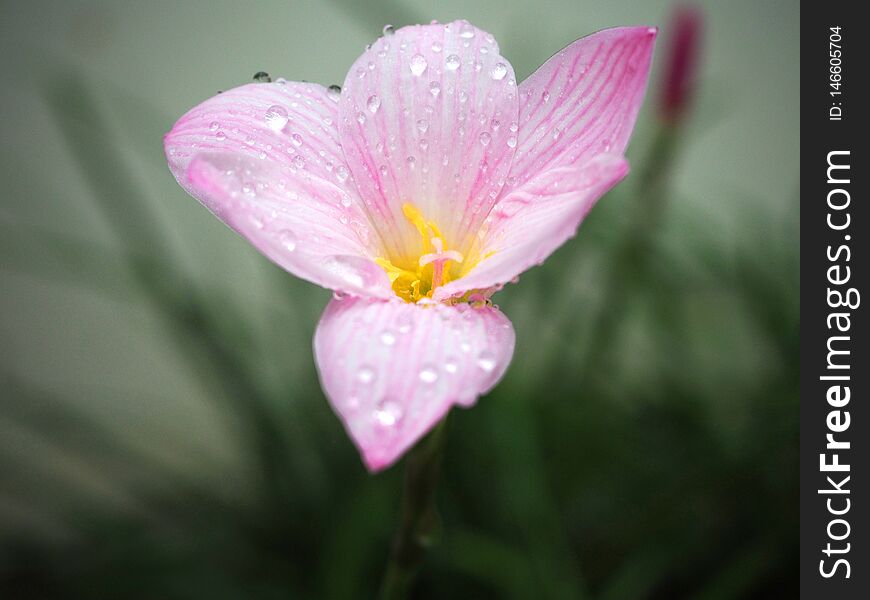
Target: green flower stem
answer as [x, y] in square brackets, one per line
[419, 520]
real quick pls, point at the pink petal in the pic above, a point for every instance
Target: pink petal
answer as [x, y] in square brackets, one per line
[532, 221]
[392, 370]
[265, 159]
[426, 119]
[583, 101]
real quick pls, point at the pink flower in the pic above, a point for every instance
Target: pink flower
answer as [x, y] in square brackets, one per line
[416, 191]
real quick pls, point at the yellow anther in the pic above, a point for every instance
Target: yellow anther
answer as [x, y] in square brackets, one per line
[430, 270]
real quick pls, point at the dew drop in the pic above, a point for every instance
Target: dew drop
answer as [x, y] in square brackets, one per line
[389, 30]
[341, 173]
[221, 136]
[428, 375]
[436, 47]
[422, 125]
[452, 62]
[499, 71]
[512, 141]
[288, 240]
[365, 374]
[545, 96]
[276, 117]
[214, 126]
[466, 32]
[262, 77]
[298, 161]
[485, 138]
[387, 413]
[451, 366]
[296, 139]
[434, 89]
[388, 338]
[373, 104]
[418, 64]
[334, 92]
[360, 118]
[486, 361]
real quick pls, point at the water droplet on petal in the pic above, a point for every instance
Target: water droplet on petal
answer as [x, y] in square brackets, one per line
[486, 361]
[214, 126]
[422, 125]
[512, 141]
[405, 323]
[387, 413]
[296, 139]
[365, 374]
[262, 77]
[435, 88]
[334, 92]
[388, 338]
[221, 136]
[389, 30]
[452, 62]
[276, 117]
[341, 173]
[451, 366]
[428, 374]
[373, 104]
[418, 64]
[288, 240]
[485, 138]
[466, 31]
[436, 47]
[499, 71]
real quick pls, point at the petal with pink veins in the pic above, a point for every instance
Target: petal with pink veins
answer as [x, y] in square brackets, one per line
[532, 221]
[426, 118]
[392, 370]
[583, 101]
[265, 159]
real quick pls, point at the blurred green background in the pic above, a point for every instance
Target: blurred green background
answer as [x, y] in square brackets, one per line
[162, 430]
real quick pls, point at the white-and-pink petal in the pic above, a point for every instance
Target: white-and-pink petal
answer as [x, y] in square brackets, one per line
[535, 219]
[426, 118]
[266, 160]
[583, 101]
[392, 370]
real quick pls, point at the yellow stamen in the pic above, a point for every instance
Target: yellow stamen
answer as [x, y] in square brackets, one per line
[431, 269]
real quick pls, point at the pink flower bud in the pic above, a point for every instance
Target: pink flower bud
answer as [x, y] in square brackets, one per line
[686, 32]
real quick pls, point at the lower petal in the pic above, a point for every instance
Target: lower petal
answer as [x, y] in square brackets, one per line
[392, 370]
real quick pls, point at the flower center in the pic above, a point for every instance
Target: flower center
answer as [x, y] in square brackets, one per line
[431, 269]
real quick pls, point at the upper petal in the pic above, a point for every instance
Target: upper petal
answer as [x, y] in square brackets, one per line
[265, 159]
[532, 221]
[426, 118]
[583, 101]
[392, 370]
